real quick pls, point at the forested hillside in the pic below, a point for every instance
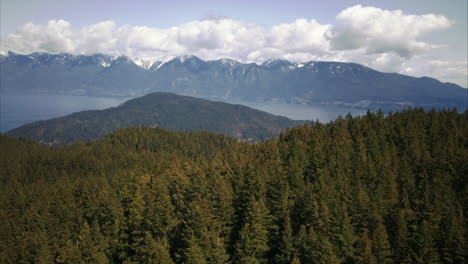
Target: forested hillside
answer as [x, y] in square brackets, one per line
[166, 110]
[371, 189]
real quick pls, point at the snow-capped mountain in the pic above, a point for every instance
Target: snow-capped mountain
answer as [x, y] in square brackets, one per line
[145, 63]
[281, 64]
[350, 84]
[228, 62]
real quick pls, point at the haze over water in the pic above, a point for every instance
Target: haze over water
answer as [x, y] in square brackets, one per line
[20, 109]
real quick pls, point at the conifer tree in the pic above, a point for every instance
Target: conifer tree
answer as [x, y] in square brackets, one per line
[381, 248]
[252, 245]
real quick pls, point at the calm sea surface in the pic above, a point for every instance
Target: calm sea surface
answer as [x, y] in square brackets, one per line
[19, 109]
[314, 112]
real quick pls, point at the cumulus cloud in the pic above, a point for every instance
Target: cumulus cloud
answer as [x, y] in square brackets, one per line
[379, 31]
[96, 38]
[381, 39]
[367, 29]
[448, 71]
[209, 38]
[300, 36]
[57, 35]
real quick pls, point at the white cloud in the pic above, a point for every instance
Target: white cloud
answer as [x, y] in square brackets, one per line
[381, 39]
[418, 65]
[379, 31]
[56, 36]
[300, 36]
[96, 38]
[448, 71]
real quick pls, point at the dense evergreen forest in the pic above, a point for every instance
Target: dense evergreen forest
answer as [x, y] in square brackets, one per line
[371, 189]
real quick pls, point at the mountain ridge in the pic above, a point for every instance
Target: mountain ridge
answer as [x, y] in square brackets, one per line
[347, 84]
[147, 62]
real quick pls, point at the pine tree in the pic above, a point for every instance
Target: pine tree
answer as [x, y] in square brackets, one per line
[252, 245]
[422, 246]
[344, 237]
[44, 254]
[69, 253]
[451, 241]
[284, 246]
[401, 247]
[194, 254]
[326, 252]
[363, 249]
[160, 214]
[381, 248]
[91, 244]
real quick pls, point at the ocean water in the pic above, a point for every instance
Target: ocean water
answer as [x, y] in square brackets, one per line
[19, 109]
[315, 111]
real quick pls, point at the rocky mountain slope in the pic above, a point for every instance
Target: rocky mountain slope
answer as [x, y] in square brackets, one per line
[338, 83]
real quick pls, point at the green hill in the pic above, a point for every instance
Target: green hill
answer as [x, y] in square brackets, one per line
[166, 110]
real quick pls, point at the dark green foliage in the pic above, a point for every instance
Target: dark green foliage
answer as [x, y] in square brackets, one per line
[252, 245]
[371, 189]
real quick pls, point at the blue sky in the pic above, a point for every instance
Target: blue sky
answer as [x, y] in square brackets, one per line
[426, 38]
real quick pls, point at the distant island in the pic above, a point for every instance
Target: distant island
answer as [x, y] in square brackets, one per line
[166, 110]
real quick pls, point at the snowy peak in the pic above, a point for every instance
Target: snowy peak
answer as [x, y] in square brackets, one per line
[187, 58]
[279, 64]
[273, 61]
[48, 58]
[100, 60]
[121, 60]
[116, 56]
[276, 79]
[225, 62]
[189, 62]
[338, 69]
[104, 63]
[183, 58]
[145, 63]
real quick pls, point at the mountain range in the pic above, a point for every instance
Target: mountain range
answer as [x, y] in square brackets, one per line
[347, 84]
[166, 110]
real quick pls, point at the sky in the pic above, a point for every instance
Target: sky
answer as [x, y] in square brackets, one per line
[417, 37]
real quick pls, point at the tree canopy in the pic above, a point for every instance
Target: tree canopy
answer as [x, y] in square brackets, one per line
[371, 189]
